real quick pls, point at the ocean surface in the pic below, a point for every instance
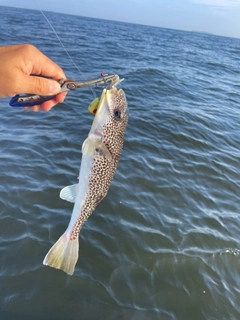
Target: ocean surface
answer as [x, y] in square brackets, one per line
[165, 242]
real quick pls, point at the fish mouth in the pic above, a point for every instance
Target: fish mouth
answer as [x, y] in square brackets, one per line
[104, 108]
[115, 81]
[100, 116]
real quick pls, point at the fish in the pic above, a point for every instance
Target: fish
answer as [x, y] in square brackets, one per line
[100, 156]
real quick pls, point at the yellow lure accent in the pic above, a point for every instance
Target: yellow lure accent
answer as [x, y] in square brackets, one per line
[92, 108]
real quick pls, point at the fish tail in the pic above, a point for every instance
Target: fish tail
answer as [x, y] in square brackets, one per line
[63, 255]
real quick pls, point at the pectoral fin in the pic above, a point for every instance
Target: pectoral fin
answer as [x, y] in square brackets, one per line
[93, 148]
[69, 193]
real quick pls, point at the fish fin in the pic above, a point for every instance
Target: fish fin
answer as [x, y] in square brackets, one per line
[69, 193]
[63, 255]
[91, 148]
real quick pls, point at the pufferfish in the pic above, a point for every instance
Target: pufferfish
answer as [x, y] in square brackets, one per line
[100, 156]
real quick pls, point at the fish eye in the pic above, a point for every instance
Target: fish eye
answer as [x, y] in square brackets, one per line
[117, 114]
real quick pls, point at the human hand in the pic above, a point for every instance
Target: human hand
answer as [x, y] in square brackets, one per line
[18, 64]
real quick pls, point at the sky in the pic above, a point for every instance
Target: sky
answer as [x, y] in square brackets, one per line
[220, 17]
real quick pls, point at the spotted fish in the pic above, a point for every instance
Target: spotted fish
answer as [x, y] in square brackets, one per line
[100, 155]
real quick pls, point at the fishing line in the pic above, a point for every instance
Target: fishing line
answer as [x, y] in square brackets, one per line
[64, 48]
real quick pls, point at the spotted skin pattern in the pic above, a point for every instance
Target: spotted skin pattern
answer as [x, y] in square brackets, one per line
[103, 169]
[101, 153]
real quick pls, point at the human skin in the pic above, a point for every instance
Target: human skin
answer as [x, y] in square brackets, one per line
[22, 70]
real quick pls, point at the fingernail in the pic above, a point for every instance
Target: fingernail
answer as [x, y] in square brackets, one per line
[54, 87]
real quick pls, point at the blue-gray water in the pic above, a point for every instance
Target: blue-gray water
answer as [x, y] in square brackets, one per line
[165, 242]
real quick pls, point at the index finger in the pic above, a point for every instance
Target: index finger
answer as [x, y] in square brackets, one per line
[40, 64]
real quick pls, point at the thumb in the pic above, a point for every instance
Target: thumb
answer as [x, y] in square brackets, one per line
[41, 86]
